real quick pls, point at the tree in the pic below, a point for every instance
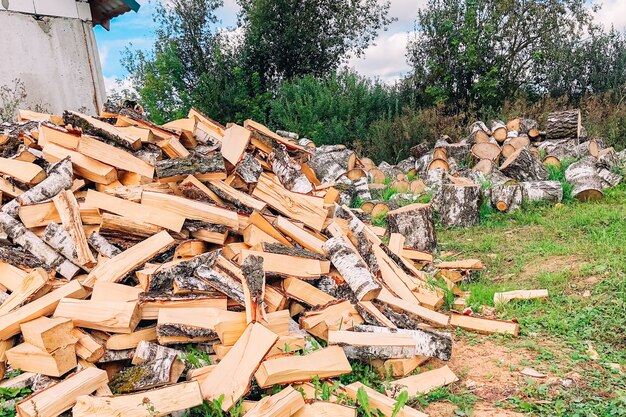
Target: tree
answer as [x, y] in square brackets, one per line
[284, 39]
[477, 53]
[193, 63]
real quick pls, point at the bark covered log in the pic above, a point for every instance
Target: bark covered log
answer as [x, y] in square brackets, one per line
[163, 280]
[548, 191]
[460, 205]
[103, 246]
[58, 239]
[361, 189]
[523, 166]
[427, 343]
[194, 163]
[288, 171]
[331, 161]
[222, 282]
[419, 150]
[584, 177]
[59, 179]
[563, 125]
[352, 269]
[415, 223]
[253, 285]
[249, 169]
[609, 178]
[29, 241]
[506, 198]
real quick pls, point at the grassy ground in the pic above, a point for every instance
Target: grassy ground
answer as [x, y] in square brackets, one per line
[578, 252]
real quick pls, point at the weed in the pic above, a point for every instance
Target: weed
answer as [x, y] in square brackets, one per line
[195, 358]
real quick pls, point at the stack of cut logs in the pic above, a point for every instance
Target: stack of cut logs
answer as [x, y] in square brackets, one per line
[124, 243]
[504, 165]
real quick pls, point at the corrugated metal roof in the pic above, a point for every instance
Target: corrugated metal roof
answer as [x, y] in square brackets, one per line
[102, 11]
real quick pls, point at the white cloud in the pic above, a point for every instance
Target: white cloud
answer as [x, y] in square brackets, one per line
[113, 83]
[386, 59]
[612, 12]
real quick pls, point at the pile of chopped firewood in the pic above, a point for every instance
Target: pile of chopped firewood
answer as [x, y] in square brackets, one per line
[124, 243]
[504, 165]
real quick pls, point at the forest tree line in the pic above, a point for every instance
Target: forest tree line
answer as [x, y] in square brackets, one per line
[285, 65]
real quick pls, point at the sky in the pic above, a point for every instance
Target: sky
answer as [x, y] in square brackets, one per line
[385, 59]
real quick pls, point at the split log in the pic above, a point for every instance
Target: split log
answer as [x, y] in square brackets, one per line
[164, 278]
[336, 315]
[153, 403]
[288, 171]
[324, 363]
[584, 177]
[506, 198]
[563, 125]
[378, 401]
[23, 171]
[522, 166]
[326, 409]
[231, 377]
[413, 311]
[110, 155]
[364, 346]
[59, 179]
[200, 166]
[422, 383]
[30, 242]
[192, 325]
[459, 205]
[253, 287]
[119, 266]
[286, 403]
[155, 366]
[33, 283]
[352, 269]
[548, 191]
[222, 282]
[308, 209]
[332, 161]
[427, 343]
[30, 358]
[483, 325]
[416, 223]
[108, 316]
[69, 212]
[61, 396]
[505, 297]
[95, 127]
[87, 347]
[48, 334]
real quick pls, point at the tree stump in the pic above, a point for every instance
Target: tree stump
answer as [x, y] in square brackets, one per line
[584, 177]
[548, 191]
[459, 205]
[563, 125]
[523, 166]
[352, 269]
[415, 223]
[506, 198]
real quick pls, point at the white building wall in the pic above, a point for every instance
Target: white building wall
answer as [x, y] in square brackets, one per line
[55, 57]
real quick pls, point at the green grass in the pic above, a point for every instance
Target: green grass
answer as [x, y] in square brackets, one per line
[568, 249]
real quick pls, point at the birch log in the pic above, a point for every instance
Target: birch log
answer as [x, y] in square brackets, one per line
[427, 343]
[288, 171]
[352, 269]
[331, 161]
[523, 166]
[460, 205]
[584, 177]
[29, 241]
[59, 179]
[361, 189]
[563, 125]
[194, 163]
[103, 246]
[416, 223]
[506, 198]
[548, 191]
[249, 169]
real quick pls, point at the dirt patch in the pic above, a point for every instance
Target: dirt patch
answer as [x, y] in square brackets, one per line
[488, 370]
[552, 264]
[486, 410]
